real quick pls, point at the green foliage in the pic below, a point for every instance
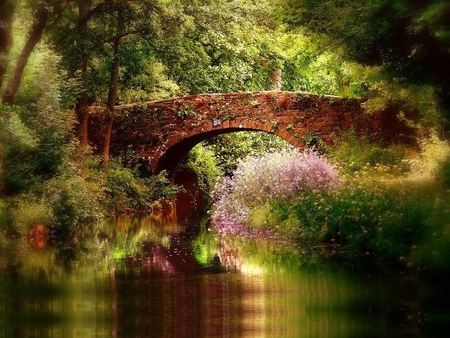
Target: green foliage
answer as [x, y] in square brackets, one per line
[27, 209]
[312, 68]
[187, 111]
[74, 194]
[202, 161]
[18, 144]
[365, 215]
[61, 184]
[74, 200]
[82, 192]
[383, 207]
[314, 141]
[224, 48]
[173, 47]
[408, 40]
[433, 156]
[34, 132]
[144, 78]
[13, 132]
[355, 153]
[126, 190]
[444, 173]
[229, 148]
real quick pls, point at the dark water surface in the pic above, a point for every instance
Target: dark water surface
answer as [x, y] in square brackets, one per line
[152, 277]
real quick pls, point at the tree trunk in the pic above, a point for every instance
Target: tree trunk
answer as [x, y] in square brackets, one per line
[275, 79]
[9, 95]
[2, 183]
[81, 105]
[6, 39]
[82, 112]
[112, 92]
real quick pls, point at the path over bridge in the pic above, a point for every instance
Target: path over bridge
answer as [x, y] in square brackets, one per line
[164, 131]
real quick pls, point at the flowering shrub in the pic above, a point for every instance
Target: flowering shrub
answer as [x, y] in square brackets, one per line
[274, 176]
[373, 210]
[371, 213]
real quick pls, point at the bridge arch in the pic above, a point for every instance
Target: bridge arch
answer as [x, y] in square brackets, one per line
[161, 132]
[178, 149]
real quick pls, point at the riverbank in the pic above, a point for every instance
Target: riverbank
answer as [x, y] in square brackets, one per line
[396, 213]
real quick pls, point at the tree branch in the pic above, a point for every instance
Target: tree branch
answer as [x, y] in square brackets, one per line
[121, 35]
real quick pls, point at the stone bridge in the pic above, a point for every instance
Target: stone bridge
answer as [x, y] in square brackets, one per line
[162, 132]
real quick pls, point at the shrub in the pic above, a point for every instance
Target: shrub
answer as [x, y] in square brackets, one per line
[378, 218]
[28, 209]
[434, 154]
[356, 152]
[126, 190]
[274, 176]
[201, 160]
[74, 199]
[367, 213]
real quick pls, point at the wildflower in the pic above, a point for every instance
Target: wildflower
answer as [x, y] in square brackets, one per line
[281, 175]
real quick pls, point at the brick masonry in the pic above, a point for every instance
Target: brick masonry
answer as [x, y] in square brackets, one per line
[162, 132]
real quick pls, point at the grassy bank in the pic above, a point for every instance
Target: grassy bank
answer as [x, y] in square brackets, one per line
[388, 203]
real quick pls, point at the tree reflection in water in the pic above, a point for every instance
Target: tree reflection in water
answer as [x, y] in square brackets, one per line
[152, 277]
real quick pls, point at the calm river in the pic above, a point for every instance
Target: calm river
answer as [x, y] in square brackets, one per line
[152, 277]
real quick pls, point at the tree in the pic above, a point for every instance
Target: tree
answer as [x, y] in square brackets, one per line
[81, 104]
[91, 38]
[80, 39]
[39, 23]
[223, 47]
[113, 81]
[161, 49]
[409, 38]
[6, 39]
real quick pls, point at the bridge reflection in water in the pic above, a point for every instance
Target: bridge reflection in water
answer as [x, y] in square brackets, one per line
[152, 277]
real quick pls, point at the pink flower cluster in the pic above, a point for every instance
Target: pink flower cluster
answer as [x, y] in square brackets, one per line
[279, 175]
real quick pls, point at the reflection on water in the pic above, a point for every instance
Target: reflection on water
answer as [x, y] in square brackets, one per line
[152, 277]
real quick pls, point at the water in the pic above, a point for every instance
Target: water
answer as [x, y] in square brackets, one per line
[152, 277]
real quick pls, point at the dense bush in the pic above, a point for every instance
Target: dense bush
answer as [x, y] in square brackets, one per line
[388, 211]
[203, 162]
[126, 190]
[274, 176]
[356, 153]
[82, 191]
[364, 215]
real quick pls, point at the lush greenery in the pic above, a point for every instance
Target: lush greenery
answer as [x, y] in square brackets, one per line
[274, 176]
[66, 56]
[395, 210]
[94, 52]
[228, 149]
[405, 42]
